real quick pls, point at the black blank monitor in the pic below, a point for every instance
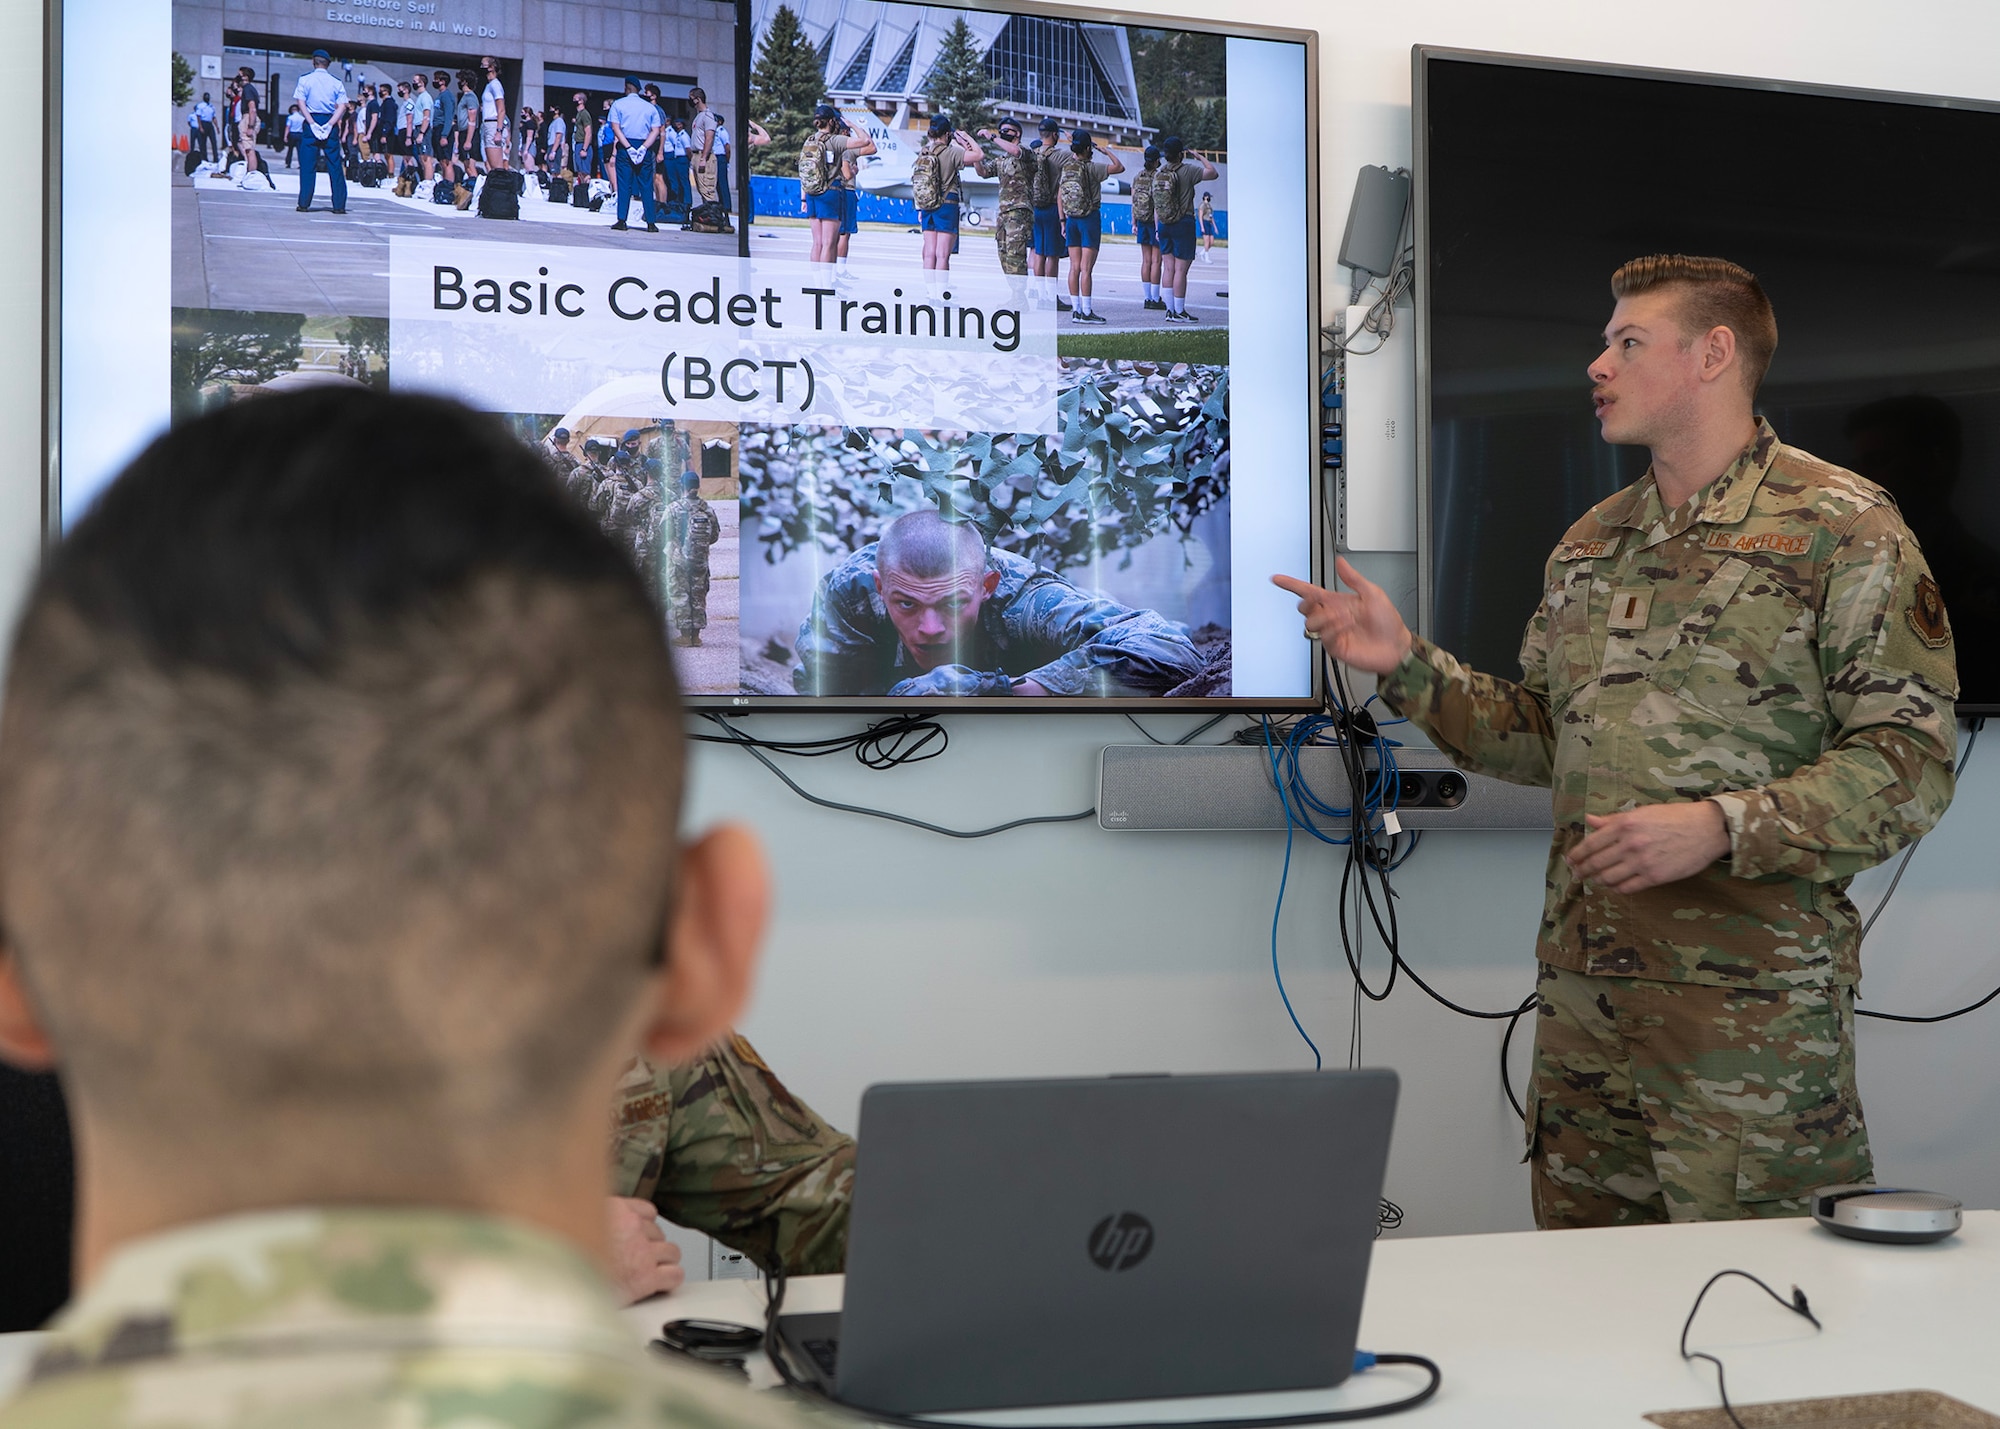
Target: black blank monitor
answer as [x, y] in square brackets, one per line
[1872, 221]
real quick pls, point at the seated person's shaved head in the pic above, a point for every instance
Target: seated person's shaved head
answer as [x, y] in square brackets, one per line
[348, 790]
[340, 773]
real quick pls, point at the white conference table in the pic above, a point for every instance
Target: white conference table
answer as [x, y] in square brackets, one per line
[1568, 1329]
[1581, 1328]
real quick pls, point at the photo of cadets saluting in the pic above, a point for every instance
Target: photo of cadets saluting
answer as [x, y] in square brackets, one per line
[825, 179]
[1173, 206]
[1079, 193]
[1046, 238]
[1014, 166]
[1146, 228]
[934, 188]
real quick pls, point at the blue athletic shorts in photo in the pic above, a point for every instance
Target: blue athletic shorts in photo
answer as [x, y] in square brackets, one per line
[828, 205]
[850, 211]
[1147, 233]
[1177, 238]
[942, 219]
[1208, 227]
[1047, 237]
[1086, 232]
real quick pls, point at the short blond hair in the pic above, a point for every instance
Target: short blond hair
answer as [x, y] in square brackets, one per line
[1714, 292]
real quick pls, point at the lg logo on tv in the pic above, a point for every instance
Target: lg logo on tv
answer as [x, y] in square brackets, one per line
[1121, 1241]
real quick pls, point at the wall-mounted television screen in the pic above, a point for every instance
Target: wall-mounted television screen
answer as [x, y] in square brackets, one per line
[1868, 219]
[871, 328]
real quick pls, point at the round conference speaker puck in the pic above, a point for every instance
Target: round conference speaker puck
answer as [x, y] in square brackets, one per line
[1890, 1215]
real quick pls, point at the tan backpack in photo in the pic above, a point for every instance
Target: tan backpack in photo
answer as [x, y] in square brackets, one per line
[1170, 205]
[926, 179]
[815, 170]
[1079, 195]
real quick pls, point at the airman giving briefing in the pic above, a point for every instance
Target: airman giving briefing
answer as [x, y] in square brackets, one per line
[1739, 686]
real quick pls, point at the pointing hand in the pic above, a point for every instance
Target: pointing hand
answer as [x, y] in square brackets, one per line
[1360, 626]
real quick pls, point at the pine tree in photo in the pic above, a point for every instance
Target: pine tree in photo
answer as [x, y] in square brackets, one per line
[958, 84]
[1182, 76]
[1200, 126]
[786, 85]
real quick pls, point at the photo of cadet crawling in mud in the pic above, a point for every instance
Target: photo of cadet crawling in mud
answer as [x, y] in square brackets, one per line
[930, 610]
[1093, 563]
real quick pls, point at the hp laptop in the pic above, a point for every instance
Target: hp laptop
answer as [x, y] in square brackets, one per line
[1064, 1242]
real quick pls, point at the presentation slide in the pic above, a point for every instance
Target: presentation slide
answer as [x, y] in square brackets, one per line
[901, 358]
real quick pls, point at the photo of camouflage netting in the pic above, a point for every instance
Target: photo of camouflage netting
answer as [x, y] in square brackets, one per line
[1143, 451]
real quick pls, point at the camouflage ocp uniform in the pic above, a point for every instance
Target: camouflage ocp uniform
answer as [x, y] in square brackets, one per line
[721, 1147]
[1035, 625]
[627, 504]
[365, 1319]
[1016, 222]
[1775, 644]
[689, 528]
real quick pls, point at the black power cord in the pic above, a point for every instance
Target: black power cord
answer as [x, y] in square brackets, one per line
[1797, 1305]
[1361, 868]
[869, 746]
[1976, 723]
[1189, 738]
[886, 744]
[1506, 1042]
[774, 1350]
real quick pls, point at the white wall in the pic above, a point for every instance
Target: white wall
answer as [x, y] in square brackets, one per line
[896, 954]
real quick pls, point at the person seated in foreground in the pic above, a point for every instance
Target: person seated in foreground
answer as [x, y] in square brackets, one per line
[340, 872]
[930, 610]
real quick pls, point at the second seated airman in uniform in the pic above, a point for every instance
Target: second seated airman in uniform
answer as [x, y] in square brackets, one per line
[720, 1146]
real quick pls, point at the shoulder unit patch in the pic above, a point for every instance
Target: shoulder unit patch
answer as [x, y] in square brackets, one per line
[1927, 616]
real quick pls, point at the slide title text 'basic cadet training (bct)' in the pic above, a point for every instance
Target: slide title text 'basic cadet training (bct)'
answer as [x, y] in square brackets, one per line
[635, 300]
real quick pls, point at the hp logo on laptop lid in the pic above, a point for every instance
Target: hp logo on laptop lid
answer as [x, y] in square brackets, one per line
[1121, 1241]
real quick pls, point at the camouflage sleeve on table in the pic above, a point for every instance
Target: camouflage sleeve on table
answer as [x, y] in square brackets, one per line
[1111, 648]
[1494, 726]
[1891, 676]
[747, 1162]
